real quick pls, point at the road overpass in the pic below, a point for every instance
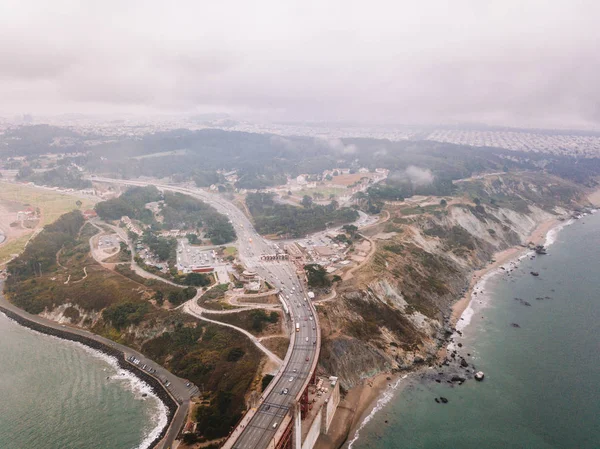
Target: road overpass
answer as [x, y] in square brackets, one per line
[275, 422]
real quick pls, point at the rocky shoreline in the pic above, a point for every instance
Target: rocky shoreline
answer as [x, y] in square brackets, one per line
[448, 365]
[154, 383]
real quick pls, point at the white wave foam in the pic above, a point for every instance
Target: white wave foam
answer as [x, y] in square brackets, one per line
[160, 416]
[467, 315]
[381, 402]
[553, 233]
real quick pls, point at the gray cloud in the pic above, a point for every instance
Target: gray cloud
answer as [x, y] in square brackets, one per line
[416, 176]
[531, 62]
[337, 146]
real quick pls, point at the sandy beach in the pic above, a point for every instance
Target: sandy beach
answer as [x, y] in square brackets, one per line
[361, 400]
[353, 409]
[537, 237]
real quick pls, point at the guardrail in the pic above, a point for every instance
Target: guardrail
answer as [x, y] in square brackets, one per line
[250, 413]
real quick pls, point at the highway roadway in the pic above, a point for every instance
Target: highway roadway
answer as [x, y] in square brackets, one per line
[298, 370]
[293, 377]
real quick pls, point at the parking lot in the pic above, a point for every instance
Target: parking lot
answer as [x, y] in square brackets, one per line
[189, 256]
[108, 241]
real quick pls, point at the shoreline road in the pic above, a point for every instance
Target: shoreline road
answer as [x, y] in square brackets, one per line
[261, 424]
[178, 388]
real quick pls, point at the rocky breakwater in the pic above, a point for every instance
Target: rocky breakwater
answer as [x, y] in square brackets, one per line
[157, 386]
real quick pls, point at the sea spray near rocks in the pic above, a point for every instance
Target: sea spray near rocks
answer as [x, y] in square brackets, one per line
[96, 348]
[541, 378]
[381, 402]
[52, 389]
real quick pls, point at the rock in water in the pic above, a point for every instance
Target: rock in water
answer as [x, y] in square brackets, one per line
[443, 399]
[523, 302]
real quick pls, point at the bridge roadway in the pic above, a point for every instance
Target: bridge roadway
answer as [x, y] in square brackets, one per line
[261, 425]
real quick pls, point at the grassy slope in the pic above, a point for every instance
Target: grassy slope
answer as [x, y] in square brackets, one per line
[254, 321]
[51, 203]
[215, 357]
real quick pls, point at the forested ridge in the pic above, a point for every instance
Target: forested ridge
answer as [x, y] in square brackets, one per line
[282, 219]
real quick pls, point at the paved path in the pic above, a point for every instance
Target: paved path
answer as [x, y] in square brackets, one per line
[263, 424]
[177, 388]
[192, 308]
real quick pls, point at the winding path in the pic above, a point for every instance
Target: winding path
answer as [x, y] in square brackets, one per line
[192, 308]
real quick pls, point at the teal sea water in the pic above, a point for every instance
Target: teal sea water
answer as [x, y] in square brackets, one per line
[542, 385]
[55, 394]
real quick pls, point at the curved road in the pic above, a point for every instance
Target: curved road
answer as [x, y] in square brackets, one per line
[260, 425]
[191, 307]
[179, 389]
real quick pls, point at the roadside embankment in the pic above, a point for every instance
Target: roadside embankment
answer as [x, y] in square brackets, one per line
[22, 318]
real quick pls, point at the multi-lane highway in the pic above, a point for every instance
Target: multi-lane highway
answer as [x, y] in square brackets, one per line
[258, 429]
[294, 376]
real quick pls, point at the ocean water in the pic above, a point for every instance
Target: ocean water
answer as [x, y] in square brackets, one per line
[55, 394]
[542, 384]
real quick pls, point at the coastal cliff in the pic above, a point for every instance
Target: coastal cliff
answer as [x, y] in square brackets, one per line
[394, 314]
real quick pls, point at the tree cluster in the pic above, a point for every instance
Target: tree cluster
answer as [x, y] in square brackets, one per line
[131, 203]
[282, 219]
[317, 275]
[39, 255]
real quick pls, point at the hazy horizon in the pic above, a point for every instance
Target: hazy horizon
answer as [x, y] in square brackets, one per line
[518, 64]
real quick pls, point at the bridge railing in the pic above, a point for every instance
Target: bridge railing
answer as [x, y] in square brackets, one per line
[237, 431]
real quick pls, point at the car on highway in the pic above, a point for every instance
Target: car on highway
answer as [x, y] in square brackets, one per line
[285, 391]
[291, 379]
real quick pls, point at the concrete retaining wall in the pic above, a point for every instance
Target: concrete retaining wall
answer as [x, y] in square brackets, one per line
[330, 408]
[313, 432]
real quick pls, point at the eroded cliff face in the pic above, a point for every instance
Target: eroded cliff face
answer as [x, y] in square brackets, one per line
[395, 311]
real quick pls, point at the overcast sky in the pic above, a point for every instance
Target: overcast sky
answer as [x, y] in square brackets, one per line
[514, 62]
